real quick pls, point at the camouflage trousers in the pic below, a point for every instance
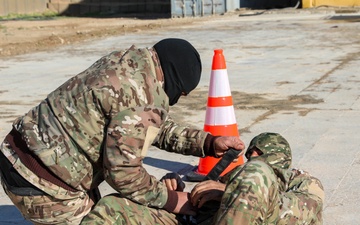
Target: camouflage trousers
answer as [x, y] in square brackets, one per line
[109, 210]
[44, 209]
[252, 196]
[113, 209]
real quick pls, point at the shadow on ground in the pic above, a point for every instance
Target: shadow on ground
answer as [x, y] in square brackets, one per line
[9, 214]
[165, 164]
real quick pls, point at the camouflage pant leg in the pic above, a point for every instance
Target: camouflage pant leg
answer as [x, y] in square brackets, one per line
[45, 209]
[113, 209]
[251, 196]
[304, 205]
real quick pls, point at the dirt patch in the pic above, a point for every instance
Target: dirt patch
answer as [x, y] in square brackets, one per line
[345, 18]
[20, 37]
[247, 101]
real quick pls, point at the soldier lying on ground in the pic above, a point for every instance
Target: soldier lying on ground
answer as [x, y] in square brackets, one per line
[262, 191]
[98, 126]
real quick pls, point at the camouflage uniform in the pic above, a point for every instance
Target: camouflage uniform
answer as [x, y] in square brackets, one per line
[265, 191]
[98, 126]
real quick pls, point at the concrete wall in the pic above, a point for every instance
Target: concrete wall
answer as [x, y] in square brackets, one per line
[22, 6]
[174, 8]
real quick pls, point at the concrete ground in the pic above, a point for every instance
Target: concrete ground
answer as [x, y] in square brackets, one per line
[293, 73]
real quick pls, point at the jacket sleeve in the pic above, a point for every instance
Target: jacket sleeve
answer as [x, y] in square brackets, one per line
[173, 137]
[302, 182]
[123, 160]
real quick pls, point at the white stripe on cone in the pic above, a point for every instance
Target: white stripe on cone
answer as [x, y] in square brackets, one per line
[219, 84]
[220, 116]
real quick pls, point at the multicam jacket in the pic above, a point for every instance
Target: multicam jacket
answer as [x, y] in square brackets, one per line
[99, 124]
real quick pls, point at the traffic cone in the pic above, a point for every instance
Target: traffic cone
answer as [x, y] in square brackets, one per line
[220, 116]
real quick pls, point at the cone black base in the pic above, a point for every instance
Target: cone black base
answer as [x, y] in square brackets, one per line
[193, 176]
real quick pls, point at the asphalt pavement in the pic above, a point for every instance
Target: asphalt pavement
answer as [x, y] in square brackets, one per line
[295, 73]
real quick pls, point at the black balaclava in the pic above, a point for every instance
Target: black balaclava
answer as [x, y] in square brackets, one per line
[181, 65]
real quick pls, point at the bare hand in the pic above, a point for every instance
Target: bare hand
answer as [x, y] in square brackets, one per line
[184, 205]
[223, 143]
[206, 191]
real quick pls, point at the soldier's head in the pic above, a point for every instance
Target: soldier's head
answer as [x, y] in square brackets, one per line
[181, 65]
[271, 148]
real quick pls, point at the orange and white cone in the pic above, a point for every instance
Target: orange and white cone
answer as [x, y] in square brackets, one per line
[220, 115]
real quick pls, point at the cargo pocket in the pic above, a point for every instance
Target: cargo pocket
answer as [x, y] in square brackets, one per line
[48, 210]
